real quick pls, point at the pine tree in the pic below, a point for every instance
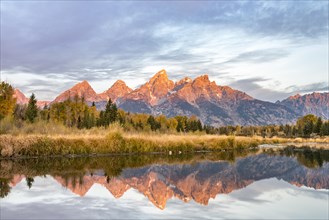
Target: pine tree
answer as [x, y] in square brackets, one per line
[110, 114]
[4, 187]
[153, 123]
[32, 109]
[106, 120]
[199, 125]
[308, 128]
[318, 125]
[325, 129]
[100, 121]
[113, 114]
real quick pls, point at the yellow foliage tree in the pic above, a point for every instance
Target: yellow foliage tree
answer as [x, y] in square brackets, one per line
[7, 101]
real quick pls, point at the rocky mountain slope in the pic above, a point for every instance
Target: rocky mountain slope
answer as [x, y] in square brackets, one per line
[315, 103]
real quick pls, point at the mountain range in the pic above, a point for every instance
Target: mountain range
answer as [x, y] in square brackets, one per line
[213, 104]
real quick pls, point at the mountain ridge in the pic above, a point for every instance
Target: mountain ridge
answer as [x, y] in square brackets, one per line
[307, 104]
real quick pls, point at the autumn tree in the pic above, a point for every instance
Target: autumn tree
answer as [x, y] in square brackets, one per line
[7, 102]
[73, 113]
[45, 113]
[305, 124]
[181, 123]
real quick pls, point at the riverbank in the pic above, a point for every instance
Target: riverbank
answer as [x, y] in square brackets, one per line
[121, 142]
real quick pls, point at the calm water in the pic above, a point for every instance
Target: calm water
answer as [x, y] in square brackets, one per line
[289, 184]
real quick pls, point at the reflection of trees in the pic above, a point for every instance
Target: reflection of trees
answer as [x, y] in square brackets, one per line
[4, 187]
[111, 165]
[29, 181]
[306, 156]
[73, 170]
[311, 159]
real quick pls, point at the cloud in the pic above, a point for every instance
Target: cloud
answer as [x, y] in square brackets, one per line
[252, 85]
[320, 87]
[102, 41]
[255, 90]
[259, 56]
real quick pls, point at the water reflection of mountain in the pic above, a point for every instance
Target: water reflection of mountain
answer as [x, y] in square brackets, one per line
[185, 177]
[202, 181]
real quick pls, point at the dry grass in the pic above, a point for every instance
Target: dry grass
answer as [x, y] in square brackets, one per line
[45, 139]
[115, 142]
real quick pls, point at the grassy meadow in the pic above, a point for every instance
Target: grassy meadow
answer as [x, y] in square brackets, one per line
[44, 139]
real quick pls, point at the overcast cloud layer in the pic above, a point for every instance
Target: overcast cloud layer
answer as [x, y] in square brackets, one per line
[268, 49]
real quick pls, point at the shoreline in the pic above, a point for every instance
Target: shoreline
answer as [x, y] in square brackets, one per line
[95, 155]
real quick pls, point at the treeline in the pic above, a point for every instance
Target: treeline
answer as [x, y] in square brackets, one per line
[76, 113]
[306, 126]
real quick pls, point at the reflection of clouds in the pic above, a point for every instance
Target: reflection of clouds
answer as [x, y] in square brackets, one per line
[254, 194]
[274, 199]
[309, 192]
[48, 200]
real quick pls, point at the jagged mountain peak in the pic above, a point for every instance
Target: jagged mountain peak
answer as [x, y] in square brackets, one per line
[202, 78]
[202, 81]
[184, 80]
[81, 89]
[159, 76]
[152, 92]
[162, 73]
[117, 90]
[295, 96]
[82, 85]
[119, 82]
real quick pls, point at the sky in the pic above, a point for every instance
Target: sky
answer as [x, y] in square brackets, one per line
[268, 49]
